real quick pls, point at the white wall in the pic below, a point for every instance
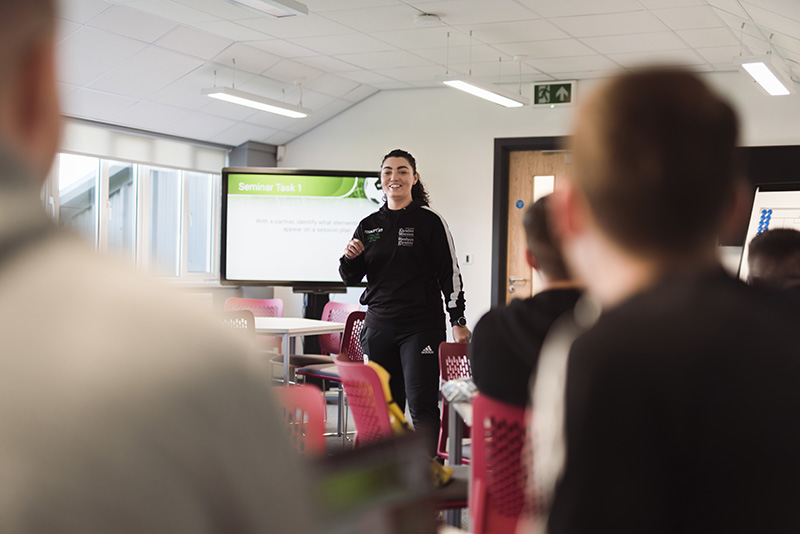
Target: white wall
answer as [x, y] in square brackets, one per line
[452, 135]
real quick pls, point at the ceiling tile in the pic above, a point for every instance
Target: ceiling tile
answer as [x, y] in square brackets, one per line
[242, 57]
[174, 12]
[732, 7]
[95, 105]
[679, 58]
[280, 138]
[323, 6]
[572, 8]
[773, 22]
[420, 38]
[572, 64]
[88, 53]
[327, 64]
[231, 30]
[64, 90]
[81, 11]
[719, 55]
[132, 23]
[222, 10]
[315, 100]
[270, 120]
[289, 71]
[343, 44]
[610, 24]
[459, 12]
[390, 59]
[392, 85]
[709, 38]
[464, 54]
[199, 125]
[312, 25]
[786, 8]
[147, 72]
[687, 18]
[548, 49]
[227, 110]
[242, 132]
[194, 42]
[664, 4]
[376, 19]
[149, 116]
[332, 85]
[185, 92]
[65, 28]
[517, 31]
[413, 74]
[365, 76]
[359, 93]
[282, 48]
[640, 42]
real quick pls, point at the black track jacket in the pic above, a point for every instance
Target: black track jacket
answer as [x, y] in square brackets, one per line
[410, 261]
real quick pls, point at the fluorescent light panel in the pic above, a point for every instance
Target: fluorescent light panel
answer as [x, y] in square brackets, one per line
[257, 102]
[766, 74]
[487, 91]
[275, 8]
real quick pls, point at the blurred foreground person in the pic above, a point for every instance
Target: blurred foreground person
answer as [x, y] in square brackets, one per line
[676, 411]
[773, 259]
[120, 409]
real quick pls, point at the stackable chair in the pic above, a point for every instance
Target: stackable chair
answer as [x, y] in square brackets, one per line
[303, 408]
[335, 312]
[453, 363]
[240, 320]
[351, 349]
[501, 461]
[260, 308]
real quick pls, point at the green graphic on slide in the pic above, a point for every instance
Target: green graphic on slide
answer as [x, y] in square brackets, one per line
[296, 186]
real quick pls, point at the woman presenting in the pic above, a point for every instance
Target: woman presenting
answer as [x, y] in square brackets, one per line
[406, 252]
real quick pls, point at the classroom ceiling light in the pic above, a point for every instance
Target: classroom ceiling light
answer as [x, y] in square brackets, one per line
[261, 103]
[768, 72]
[275, 8]
[485, 90]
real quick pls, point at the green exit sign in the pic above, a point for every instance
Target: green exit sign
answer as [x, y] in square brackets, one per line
[553, 93]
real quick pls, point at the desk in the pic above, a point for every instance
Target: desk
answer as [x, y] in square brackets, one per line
[291, 327]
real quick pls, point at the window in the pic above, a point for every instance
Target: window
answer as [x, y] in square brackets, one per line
[164, 220]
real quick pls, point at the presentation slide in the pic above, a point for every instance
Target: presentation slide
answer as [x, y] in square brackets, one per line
[293, 228]
[771, 209]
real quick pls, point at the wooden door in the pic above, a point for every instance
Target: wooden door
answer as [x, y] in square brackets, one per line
[532, 174]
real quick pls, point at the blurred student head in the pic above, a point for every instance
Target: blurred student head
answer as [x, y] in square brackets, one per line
[773, 259]
[30, 120]
[653, 177]
[543, 253]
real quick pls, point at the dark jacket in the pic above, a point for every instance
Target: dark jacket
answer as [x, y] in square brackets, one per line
[410, 262]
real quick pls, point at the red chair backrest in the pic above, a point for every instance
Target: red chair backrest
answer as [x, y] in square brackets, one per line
[303, 408]
[501, 462]
[454, 361]
[335, 312]
[351, 338]
[366, 400]
[259, 307]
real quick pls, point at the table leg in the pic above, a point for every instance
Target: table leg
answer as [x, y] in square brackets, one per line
[286, 354]
[454, 439]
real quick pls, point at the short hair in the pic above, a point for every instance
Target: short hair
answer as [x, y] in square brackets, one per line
[654, 155]
[773, 258]
[22, 25]
[541, 241]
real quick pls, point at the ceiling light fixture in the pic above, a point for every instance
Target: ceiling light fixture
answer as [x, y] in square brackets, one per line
[485, 90]
[261, 103]
[275, 8]
[767, 72]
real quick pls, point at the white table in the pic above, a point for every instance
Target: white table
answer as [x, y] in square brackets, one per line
[291, 327]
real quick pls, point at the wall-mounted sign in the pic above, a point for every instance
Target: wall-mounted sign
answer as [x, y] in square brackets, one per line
[553, 93]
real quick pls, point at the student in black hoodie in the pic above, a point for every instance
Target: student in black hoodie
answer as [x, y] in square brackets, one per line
[407, 254]
[507, 340]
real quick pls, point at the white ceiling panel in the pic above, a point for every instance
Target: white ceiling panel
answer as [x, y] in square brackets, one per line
[413, 74]
[775, 22]
[324, 6]
[282, 48]
[335, 86]
[785, 8]
[391, 59]
[664, 4]
[144, 115]
[573, 8]
[200, 124]
[147, 72]
[514, 32]
[423, 38]
[688, 18]
[709, 38]
[95, 105]
[246, 58]
[174, 11]
[227, 110]
[359, 93]
[732, 7]
[132, 23]
[465, 54]
[460, 12]
[640, 42]
[231, 30]
[376, 19]
[65, 28]
[83, 11]
[574, 64]
[548, 49]
[194, 42]
[678, 58]
[614, 24]
[719, 55]
[289, 71]
[185, 92]
[297, 27]
[241, 130]
[327, 63]
[365, 77]
[88, 54]
[343, 44]
[224, 10]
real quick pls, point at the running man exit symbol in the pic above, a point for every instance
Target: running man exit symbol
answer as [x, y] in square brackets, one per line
[552, 93]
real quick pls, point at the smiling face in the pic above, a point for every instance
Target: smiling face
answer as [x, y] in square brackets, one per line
[397, 179]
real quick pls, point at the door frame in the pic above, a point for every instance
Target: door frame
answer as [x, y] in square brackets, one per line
[502, 148]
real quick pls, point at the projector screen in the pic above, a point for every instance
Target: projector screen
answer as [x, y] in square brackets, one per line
[289, 227]
[774, 206]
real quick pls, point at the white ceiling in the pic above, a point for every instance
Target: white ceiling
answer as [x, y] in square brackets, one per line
[142, 63]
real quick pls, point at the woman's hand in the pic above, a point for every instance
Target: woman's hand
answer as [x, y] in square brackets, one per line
[461, 334]
[353, 249]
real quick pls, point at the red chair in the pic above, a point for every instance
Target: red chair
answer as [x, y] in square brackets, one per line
[303, 408]
[366, 400]
[453, 363]
[336, 312]
[260, 308]
[351, 348]
[500, 464]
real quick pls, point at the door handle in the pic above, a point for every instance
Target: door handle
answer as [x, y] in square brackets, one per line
[515, 279]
